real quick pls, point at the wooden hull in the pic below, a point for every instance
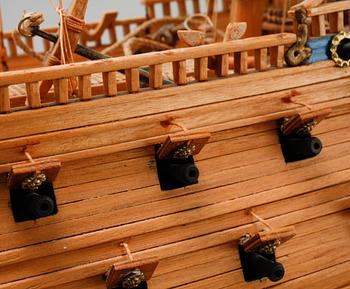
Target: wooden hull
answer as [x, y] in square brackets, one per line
[112, 198]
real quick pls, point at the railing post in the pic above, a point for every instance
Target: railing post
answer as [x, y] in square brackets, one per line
[61, 90]
[132, 79]
[241, 62]
[277, 56]
[84, 87]
[33, 93]
[336, 21]
[156, 76]
[110, 83]
[261, 59]
[151, 13]
[166, 8]
[201, 69]
[179, 72]
[5, 105]
[222, 65]
[182, 7]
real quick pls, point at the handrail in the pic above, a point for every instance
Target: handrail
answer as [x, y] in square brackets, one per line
[135, 61]
[329, 8]
[204, 57]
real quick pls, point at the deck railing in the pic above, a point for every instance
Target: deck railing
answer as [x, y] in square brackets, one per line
[269, 53]
[331, 13]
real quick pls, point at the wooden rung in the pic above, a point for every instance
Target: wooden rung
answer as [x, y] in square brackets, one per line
[156, 76]
[126, 29]
[84, 83]
[33, 93]
[151, 12]
[5, 105]
[241, 62]
[132, 80]
[266, 237]
[29, 41]
[222, 65]
[13, 47]
[179, 72]
[322, 25]
[110, 83]
[336, 21]
[61, 90]
[118, 271]
[201, 69]
[166, 8]
[182, 7]
[19, 172]
[47, 45]
[174, 141]
[196, 6]
[277, 56]
[261, 59]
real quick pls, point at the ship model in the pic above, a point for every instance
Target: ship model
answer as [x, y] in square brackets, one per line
[200, 146]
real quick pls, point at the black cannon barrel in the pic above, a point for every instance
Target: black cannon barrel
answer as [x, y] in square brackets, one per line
[39, 205]
[185, 173]
[266, 267]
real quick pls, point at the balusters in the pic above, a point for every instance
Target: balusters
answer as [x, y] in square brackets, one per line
[179, 72]
[336, 22]
[166, 9]
[84, 84]
[33, 94]
[132, 80]
[196, 6]
[126, 29]
[110, 83]
[241, 62]
[182, 7]
[201, 69]
[156, 76]
[222, 65]
[261, 59]
[5, 105]
[151, 12]
[13, 47]
[61, 90]
[277, 56]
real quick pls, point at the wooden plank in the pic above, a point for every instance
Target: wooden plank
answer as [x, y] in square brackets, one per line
[201, 69]
[84, 87]
[33, 94]
[110, 83]
[277, 56]
[132, 80]
[96, 268]
[182, 8]
[242, 108]
[179, 72]
[61, 90]
[336, 22]
[329, 8]
[5, 105]
[322, 25]
[155, 76]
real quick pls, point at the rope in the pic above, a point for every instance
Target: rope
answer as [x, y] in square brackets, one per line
[128, 252]
[66, 23]
[142, 27]
[138, 42]
[172, 122]
[261, 220]
[20, 43]
[291, 99]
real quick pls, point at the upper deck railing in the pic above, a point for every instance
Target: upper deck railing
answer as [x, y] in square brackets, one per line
[268, 50]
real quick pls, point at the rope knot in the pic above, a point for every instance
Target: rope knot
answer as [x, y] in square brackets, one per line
[29, 20]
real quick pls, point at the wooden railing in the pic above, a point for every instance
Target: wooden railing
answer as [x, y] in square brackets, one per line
[333, 13]
[269, 52]
[113, 26]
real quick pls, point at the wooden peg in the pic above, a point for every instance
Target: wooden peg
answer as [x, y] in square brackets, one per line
[19, 172]
[195, 141]
[119, 272]
[307, 119]
[264, 238]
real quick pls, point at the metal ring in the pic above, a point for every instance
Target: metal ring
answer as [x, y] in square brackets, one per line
[20, 30]
[334, 47]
